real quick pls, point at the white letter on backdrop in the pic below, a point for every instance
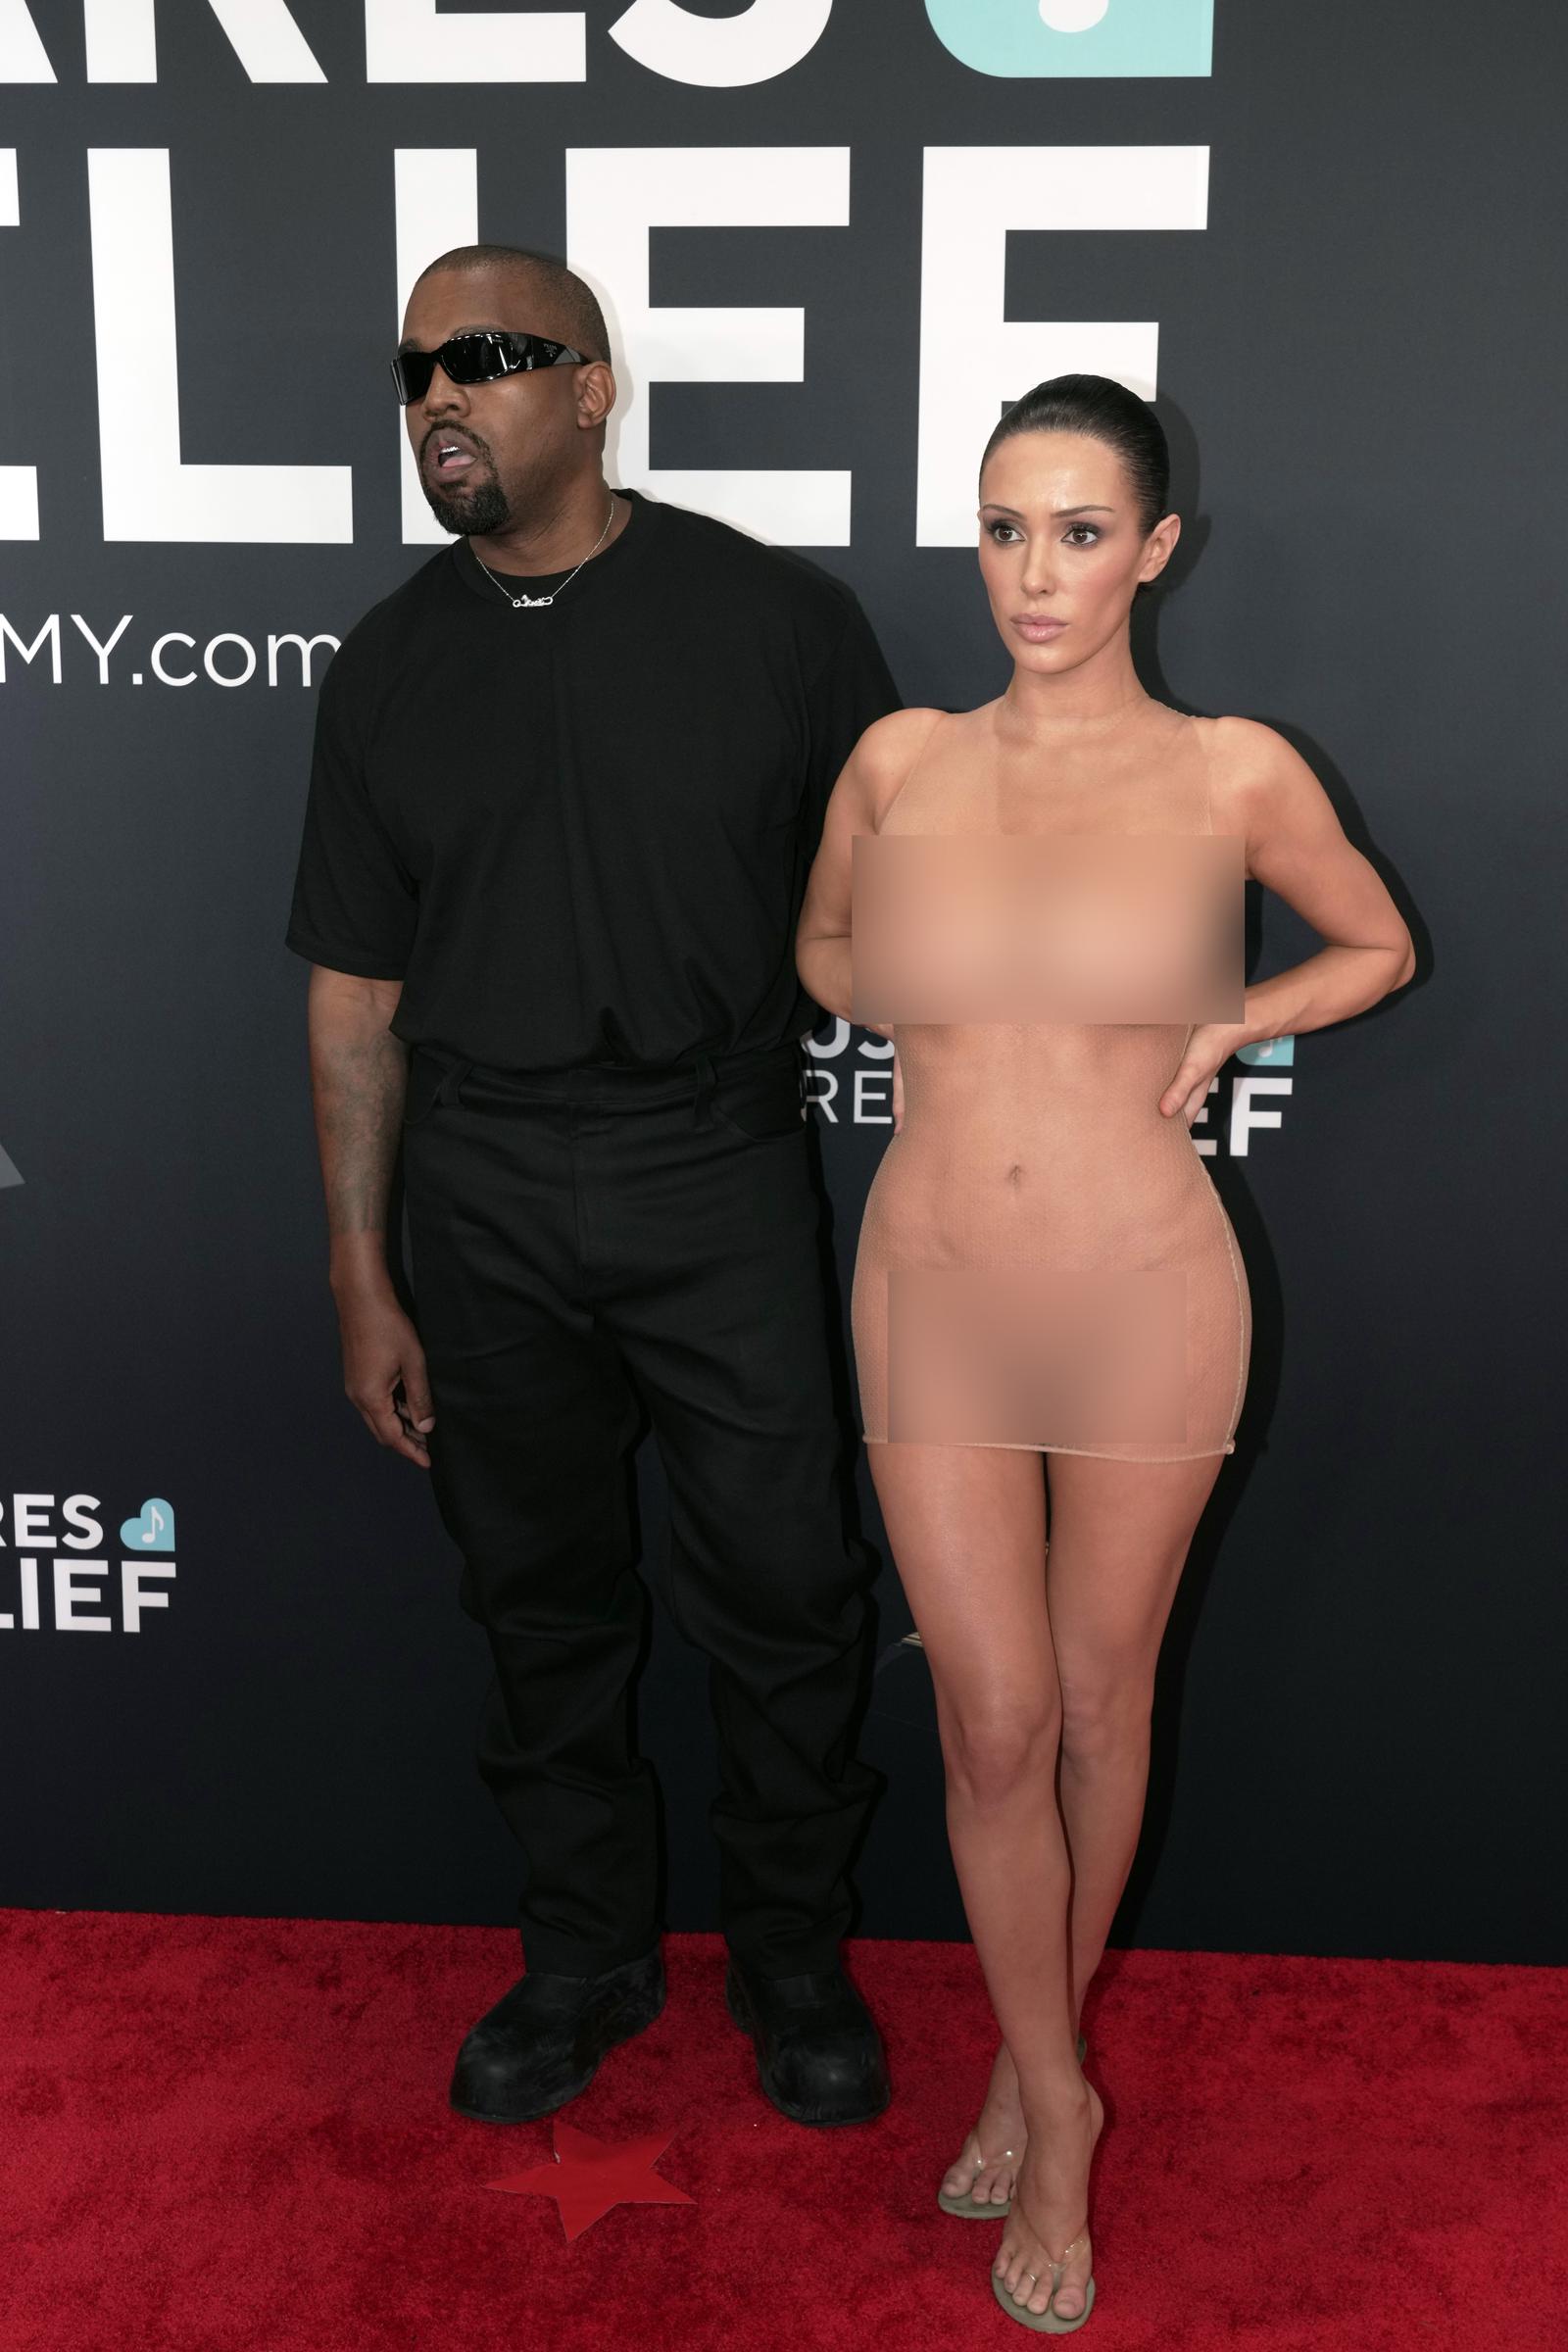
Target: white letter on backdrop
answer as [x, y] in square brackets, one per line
[438, 207]
[122, 40]
[132, 1599]
[615, 197]
[22, 56]
[147, 492]
[71, 1598]
[973, 360]
[18, 484]
[1243, 1115]
[405, 40]
[720, 52]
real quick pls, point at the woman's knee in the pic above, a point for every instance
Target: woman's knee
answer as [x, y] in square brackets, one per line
[1105, 1716]
[998, 1746]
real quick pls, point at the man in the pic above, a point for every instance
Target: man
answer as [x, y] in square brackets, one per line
[568, 784]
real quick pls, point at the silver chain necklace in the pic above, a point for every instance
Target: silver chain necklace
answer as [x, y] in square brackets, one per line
[517, 602]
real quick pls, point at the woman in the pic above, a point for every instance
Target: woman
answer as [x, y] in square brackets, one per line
[1042, 1140]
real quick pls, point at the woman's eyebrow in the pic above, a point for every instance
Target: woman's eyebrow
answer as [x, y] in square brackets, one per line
[996, 508]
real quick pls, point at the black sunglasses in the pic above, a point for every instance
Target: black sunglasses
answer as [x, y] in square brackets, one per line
[476, 359]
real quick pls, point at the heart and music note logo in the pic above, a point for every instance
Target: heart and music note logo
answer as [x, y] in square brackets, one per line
[152, 1530]
[1102, 38]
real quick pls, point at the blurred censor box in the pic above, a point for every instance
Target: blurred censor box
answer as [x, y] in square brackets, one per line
[1076, 927]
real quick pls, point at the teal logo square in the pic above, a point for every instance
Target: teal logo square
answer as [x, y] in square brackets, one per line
[1083, 38]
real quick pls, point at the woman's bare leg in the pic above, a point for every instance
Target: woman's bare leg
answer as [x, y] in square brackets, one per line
[1109, 1603]
[966, 1529]
[1120, 1534]
[1119, 1537]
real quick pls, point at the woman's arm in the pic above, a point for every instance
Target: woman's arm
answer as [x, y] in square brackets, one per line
[1265, 791]
[866, 784]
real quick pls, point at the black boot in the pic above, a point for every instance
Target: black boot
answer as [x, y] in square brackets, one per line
[818, 2053]
[541, 2043]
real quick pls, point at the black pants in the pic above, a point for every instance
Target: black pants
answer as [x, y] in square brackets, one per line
[580, 1238]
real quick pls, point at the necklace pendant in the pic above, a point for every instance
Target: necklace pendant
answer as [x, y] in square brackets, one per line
[518, 602]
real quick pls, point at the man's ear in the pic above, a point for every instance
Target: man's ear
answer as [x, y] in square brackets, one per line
[597, 393]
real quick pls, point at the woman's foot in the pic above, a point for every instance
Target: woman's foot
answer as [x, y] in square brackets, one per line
[1050, 2212]
[998, 2140]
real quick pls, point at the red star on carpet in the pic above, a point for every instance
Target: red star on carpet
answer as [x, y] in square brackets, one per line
[590, 2176]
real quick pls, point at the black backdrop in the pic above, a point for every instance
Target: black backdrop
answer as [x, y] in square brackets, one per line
[1359, 365]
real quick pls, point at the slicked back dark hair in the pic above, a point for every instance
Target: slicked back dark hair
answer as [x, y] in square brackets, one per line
[574, 306]
[1099, 405]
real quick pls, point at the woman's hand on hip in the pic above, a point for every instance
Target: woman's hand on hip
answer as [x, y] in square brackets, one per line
[1211, 1044]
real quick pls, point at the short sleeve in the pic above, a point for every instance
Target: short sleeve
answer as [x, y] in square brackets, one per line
[356, 905]
[853, 688]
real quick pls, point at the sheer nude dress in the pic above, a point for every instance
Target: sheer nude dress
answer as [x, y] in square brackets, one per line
[1044, 1262]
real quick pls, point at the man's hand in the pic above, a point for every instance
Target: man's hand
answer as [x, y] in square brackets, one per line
[381, 1351]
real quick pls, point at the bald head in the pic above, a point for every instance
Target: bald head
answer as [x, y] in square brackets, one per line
[567, 309]
[526, 444]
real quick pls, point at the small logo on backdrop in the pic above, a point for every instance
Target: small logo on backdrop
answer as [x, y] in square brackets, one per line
[1099, 37]
[152, 1530]
[56, 1575]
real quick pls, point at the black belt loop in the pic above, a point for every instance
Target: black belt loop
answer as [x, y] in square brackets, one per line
[452, 1078]
[703, 1092]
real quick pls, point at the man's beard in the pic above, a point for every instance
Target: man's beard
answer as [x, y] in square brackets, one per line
[476, 515]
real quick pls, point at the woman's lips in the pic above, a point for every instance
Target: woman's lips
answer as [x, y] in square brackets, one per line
[1037, 627]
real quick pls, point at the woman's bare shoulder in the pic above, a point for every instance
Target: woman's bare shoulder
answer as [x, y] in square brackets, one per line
[1244, 742]
[888, 751]
[898, 735]
[1252, 767]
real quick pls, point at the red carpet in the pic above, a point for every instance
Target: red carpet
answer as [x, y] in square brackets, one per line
[230, 2135]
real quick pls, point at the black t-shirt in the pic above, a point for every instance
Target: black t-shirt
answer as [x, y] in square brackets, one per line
[580, 832]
